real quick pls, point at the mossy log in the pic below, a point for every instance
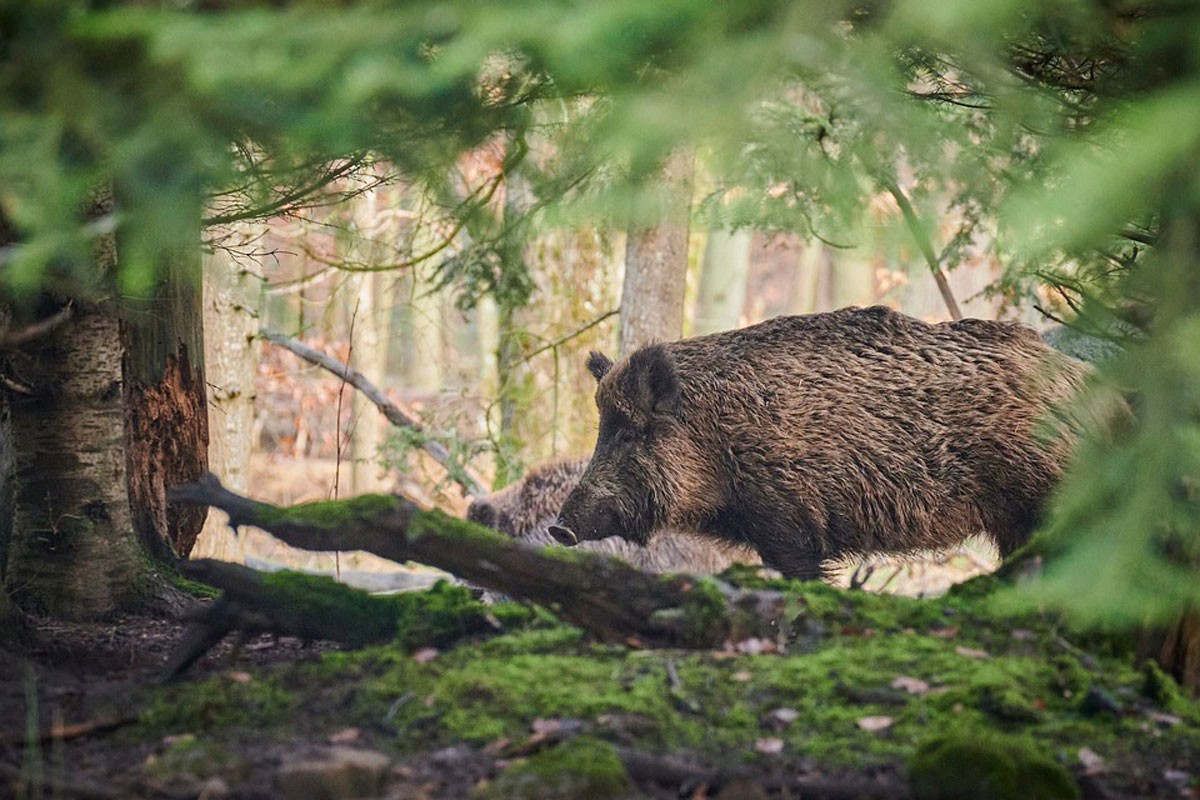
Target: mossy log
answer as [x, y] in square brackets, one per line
[606, 597]
[315, 607]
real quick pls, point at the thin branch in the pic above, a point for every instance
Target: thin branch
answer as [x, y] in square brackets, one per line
[288, 200]
[925, 246]
[554, 345]
[13, 340]
[471, 483]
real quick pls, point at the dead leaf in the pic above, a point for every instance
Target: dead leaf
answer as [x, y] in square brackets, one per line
[1170, 720]
[1092, 763]
[497, 747]
[780, 718]
[874, 724]
[754, 646]
[910, 685]
[346, 736]
[425, 655]
[970, 652]
[769, 745]
[945, 633]
[741, 677]
[239, 677]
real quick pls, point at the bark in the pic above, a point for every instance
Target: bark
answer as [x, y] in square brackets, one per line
[369, 355]
[231, 347]
[803, 293]
[166, 408]
[1176, 648]
[72, 552]
[604, 596]
[723, 277]
[656, 265]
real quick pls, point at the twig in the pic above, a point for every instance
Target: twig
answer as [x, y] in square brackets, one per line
[11, 340]
[577, 332]
[925, 246]
[471, 483]
[67, 732]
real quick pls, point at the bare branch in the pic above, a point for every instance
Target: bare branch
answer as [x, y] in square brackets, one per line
[925, 246]
[471, 483]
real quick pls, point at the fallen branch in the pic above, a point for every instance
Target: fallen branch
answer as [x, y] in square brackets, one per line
[471, 483]
[606, 597]
[64, 732]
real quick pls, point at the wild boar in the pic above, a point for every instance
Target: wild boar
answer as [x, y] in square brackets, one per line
[818, 437]
[526, 509]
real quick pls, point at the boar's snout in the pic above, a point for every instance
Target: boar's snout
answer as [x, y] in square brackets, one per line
[564, 536]
[584, 519]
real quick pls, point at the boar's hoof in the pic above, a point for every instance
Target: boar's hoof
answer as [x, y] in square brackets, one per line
[564, 536]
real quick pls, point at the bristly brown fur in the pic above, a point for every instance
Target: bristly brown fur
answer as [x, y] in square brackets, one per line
[820, 436]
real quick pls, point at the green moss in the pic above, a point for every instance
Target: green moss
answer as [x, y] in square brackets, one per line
[1160, 688]
[432, 618]
[440, 524]
[332, 514]
[982, 680]
[704, 609]
[218, 702]
[580, 769]
[190, 760]
[355, 615]
[440, 615]
[986, 767]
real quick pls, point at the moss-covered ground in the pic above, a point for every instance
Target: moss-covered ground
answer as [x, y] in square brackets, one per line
[854, 684]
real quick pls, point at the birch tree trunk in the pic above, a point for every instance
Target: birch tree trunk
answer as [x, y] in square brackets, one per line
[369, 356]
[656, 265]
[232, 349]
[723, 277]
[73, 551]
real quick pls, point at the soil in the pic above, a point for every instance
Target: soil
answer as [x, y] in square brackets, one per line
[92, 679]
[94, 682]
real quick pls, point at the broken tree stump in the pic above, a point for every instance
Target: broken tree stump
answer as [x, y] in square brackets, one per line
[607, 598]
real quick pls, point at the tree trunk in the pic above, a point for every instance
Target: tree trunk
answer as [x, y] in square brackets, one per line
[368, 356]
[723, 281]
[802, 297]
[73, 552]
[656, 265]
[231, 347]
[166, 408]
[111, 414]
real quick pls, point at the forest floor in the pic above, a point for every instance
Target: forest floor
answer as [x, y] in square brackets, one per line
[862, 695]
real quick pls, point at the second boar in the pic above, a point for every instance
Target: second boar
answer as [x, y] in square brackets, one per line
[526, 510]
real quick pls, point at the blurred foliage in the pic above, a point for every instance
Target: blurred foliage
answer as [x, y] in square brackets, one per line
[1069, 130]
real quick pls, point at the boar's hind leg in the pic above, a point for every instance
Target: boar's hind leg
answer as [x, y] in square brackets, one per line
[804, 565]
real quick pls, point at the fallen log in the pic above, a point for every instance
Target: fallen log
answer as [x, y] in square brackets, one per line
[607, 598]
[313, 607]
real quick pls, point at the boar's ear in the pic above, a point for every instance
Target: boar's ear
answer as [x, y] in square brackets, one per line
[598, 364]
[656, 387]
